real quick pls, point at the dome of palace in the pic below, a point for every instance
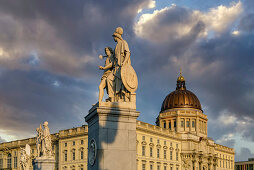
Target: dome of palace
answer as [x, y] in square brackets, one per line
[181, 97]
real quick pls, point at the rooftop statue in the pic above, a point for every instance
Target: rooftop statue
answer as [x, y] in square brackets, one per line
[43, 141]
[119, 78]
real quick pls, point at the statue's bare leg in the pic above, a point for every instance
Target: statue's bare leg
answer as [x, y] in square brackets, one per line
[101, 89]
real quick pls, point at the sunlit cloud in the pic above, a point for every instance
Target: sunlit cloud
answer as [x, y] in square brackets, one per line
[161, 25]
[236, 32]
[150, 5]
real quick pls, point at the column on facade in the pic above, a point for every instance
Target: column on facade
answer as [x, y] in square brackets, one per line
[177, 122]
[197, 125]
[172, 124]
[161, 123]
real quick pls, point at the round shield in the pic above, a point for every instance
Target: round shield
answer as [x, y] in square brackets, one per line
[129, 78]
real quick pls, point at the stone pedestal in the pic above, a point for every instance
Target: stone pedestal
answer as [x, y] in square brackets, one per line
[112, 127]
[42, 163]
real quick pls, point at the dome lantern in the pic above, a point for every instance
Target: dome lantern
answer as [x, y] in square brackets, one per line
[180, 82]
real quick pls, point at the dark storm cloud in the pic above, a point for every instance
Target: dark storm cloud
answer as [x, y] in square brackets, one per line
[247, 23]
[244, 154]
[66, 35]
[30, 97]
[45, 47]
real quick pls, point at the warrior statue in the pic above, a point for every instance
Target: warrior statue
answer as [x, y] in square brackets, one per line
[123, 77]
[25, 157]
[44, 143]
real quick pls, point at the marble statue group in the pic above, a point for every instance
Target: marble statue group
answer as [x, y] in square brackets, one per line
[43, 141]
[25, 157]
[119, 78]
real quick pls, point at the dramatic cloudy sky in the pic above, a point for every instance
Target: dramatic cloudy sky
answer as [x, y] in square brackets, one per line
[49, 61]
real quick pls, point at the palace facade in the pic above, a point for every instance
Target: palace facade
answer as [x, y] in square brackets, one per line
[178, 141]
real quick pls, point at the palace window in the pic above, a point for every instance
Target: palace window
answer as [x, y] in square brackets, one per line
[143, 150]
[151, 140]
[15, 162]
[143, 166]
[81, 154]
[32, 150]
[73, 143]
[177, 145]
[165, 167]
[158, 167]
[193, 123]
[65, 155]
[177, 156]
[169, 125]
[9, 161]
[165, 142]
[151, 166]
[143, 138]
[171, 144]
[165, 125]
[188, 123]
[165, 154]
[73, 155]
[158, 153]
[82, 142]
[1, 163]
[171, 155]
[182, 123]
[151, 152]
[171, 168]
[65, 144]
[158, 141]
[174, 123]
